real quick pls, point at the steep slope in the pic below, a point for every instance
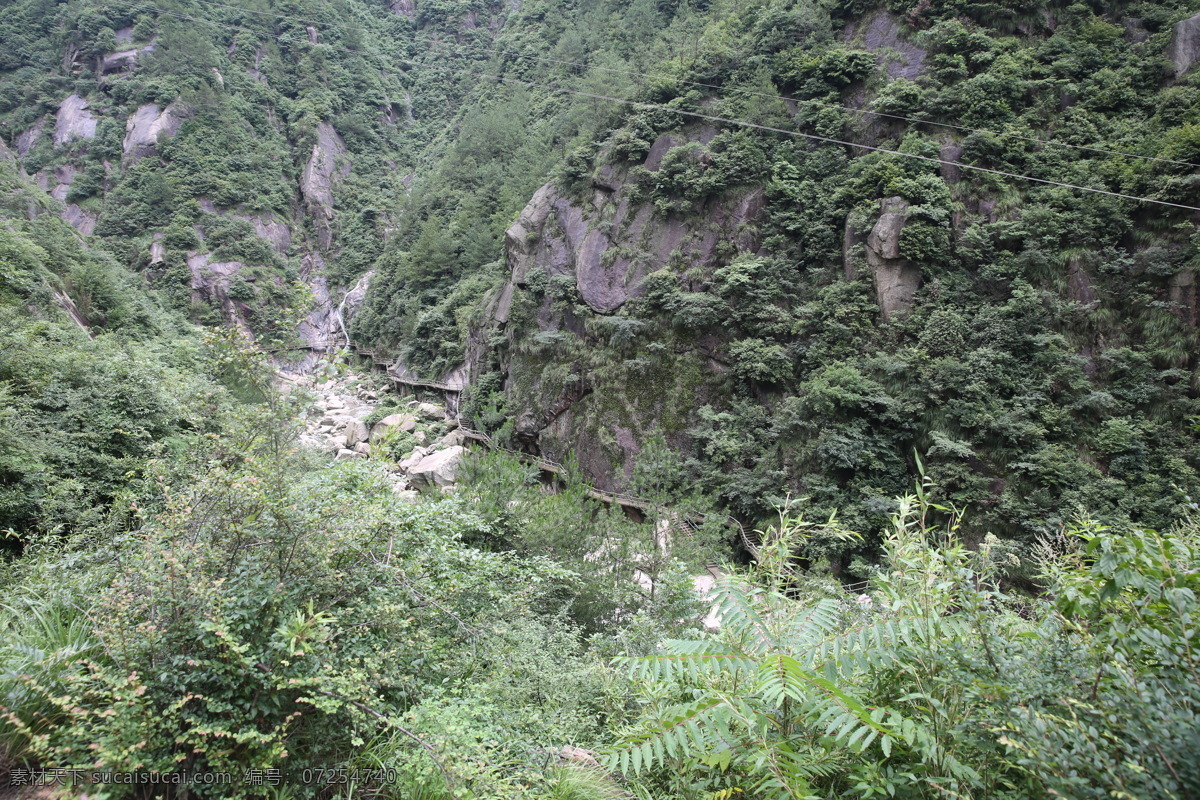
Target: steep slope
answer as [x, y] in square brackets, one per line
[95, 376]
[790, 315]
[806, 318]
[250, 162]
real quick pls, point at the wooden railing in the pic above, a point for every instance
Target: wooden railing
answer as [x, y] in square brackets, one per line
[605, 496]
[326, 344]
[749, 538]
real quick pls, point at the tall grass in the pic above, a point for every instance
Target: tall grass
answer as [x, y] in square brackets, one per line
[42, 640]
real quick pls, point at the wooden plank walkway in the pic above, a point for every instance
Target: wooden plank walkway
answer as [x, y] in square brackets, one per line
[544, 464]
[749, 538]
[604, 496]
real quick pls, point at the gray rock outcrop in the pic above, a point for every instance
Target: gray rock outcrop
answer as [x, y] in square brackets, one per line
[74, 120]
[26, 141]
[115, 62]
[602, 246]
[564, 237]
[57, 182]
[431, 411]
[271, 230]
[326, 166]
[896, 279]
[1185, 293]
[356, 433]
[882, 34]
[158, 249]
[82, 220]
[1184, 48]
[147, 126]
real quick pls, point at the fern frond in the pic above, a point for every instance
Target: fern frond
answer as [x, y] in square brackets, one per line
[678, 733]
[817, 621]
[739, 616]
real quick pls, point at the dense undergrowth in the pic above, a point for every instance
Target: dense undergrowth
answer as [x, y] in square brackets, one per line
[184, 589]
[1047, 362]
[246, 606]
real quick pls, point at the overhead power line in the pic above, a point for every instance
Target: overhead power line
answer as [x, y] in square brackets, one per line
[707, 117]
[748, 92]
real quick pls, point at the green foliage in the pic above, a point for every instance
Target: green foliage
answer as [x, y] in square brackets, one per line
[936, 679]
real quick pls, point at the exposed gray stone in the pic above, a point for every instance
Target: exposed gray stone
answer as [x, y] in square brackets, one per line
[25, 141]
[356, 432]
[146, 126]
[431, 411]
[437, 469]
[272, 230]
[896, 280]
[562, 237]
[413, 458]
[1134, 30]
[63, 176]
[1184, 48]
[123, 59]
[451, 439]
[326, 167]
[950, 151]
[82, 220]
[1183, 292]
[851, 239]
[657, 150]
[116, 62]
[397, 422]
[158, 250]
[522, 237]
[74, 120]
[901, 58]
[1079, 284]
[405, 8]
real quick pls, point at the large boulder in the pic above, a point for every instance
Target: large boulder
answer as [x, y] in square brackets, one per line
[413, 459]
[896, 279]
[1184, 48]
[438, 469]
[356, 432]
[451, 439]
[430, 411]
[123, 59]
[393, 422]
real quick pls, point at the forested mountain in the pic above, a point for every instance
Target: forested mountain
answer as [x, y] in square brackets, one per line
[757, 264]
[825, 310]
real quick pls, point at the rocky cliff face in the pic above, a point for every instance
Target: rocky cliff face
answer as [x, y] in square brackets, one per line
[326, 167]
[74, 121]
[1184, 49]
[576, 265]
[149, 124]
[896, 279]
